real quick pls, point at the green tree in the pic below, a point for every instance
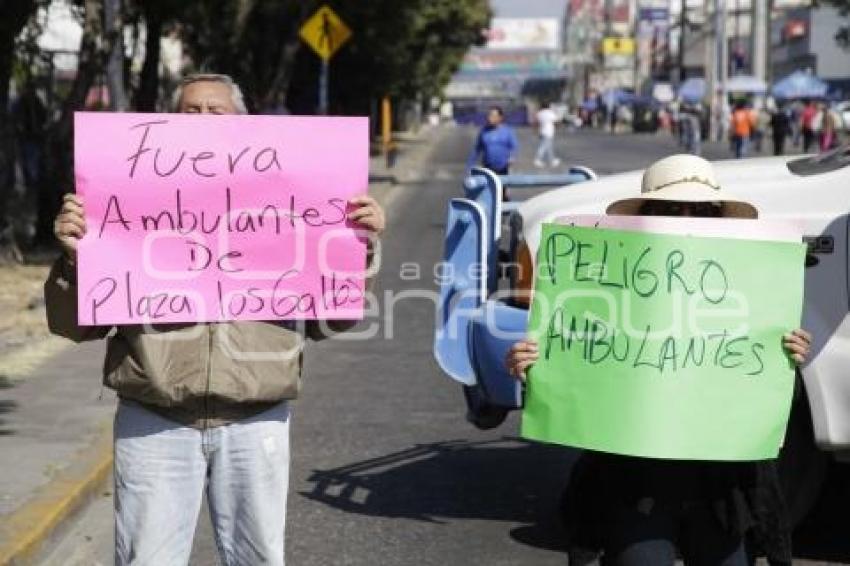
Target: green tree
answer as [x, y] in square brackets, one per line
[16, 13]
[58, 176]
[405, 50]
[255, 41]
[156, 15]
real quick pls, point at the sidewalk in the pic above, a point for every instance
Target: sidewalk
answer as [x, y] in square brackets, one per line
[55, 446]
[412, 150]
[55, 417]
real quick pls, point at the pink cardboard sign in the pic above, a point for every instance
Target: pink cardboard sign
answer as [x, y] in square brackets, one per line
[195, 218]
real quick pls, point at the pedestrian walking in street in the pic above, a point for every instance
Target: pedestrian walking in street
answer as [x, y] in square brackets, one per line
[496, 145]
[761, 121]
[204, 408]
[625, 118]
[691, 116]
[643, 511]
[741, 126]
[795, 111]
[546, 121]
[780, 126]
[828, 133]
[807, 124]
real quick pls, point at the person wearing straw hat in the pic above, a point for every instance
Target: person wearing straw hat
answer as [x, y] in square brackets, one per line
[639, 511]
[682, 185]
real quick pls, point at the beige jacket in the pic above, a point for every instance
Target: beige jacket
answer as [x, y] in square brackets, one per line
[200, 375]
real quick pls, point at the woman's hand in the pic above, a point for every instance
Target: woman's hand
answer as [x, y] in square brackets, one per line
[798, 343]
[521, 356]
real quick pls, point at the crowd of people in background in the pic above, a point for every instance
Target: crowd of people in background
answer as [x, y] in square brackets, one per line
[811, 125]
[807, 125]
[748, 123]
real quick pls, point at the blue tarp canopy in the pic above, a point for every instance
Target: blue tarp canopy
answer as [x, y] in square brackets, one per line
[692, 90]
[799, 84]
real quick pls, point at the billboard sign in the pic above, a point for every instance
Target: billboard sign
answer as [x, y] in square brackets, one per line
[618, 52]
[523, 33]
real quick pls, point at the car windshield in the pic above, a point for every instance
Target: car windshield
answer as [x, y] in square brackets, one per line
[821, 163]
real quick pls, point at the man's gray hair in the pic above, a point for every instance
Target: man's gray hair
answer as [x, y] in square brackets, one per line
[235, 91]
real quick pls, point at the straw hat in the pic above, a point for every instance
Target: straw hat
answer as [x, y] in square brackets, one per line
[682, 178]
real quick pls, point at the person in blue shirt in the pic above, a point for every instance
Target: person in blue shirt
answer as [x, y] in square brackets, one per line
[496, 144]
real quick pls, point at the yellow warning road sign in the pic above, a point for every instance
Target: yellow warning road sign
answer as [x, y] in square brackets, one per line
[325, 32]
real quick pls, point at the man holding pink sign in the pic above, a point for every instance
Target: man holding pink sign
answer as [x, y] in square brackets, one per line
[199, 245]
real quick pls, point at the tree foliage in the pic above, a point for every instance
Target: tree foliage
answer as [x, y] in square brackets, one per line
[406, 49]
[15, 14]
[255, 41]
[402, 49]
[399, 49]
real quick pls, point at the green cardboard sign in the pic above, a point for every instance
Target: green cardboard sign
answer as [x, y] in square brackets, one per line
[662, 346]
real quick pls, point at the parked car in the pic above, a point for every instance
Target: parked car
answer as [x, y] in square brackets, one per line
[483, 311]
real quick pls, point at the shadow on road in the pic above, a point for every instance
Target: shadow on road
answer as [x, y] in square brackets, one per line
[503, 480]
[517, 482]
[6, 406]
[391, 179]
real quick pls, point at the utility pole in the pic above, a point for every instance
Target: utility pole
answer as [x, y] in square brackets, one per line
[609, 30]
[709, 9]
[640, 51]
[721, 69]
[760, 37]
[683, 24]
[714, 64]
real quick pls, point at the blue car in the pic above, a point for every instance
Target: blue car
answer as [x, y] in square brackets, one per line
[480, 315]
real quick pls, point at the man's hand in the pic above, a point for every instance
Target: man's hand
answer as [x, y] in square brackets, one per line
[70, 225]
[798, 344]
[368, 214]
[521, 356]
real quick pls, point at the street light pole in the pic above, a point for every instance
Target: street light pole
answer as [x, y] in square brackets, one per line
[683, 22]
[760, 22]
[722, 66]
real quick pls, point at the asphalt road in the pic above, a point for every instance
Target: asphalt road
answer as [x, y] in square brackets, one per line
[385, 469]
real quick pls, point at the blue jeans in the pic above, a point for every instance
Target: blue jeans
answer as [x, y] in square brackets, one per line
[650, 537]
[546, 150]
[162, 470]
[740, 145]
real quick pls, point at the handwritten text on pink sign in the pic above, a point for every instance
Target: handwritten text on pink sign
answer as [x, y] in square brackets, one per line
[207, 218]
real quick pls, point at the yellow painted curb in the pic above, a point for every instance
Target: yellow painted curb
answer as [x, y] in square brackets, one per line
[25, 530]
